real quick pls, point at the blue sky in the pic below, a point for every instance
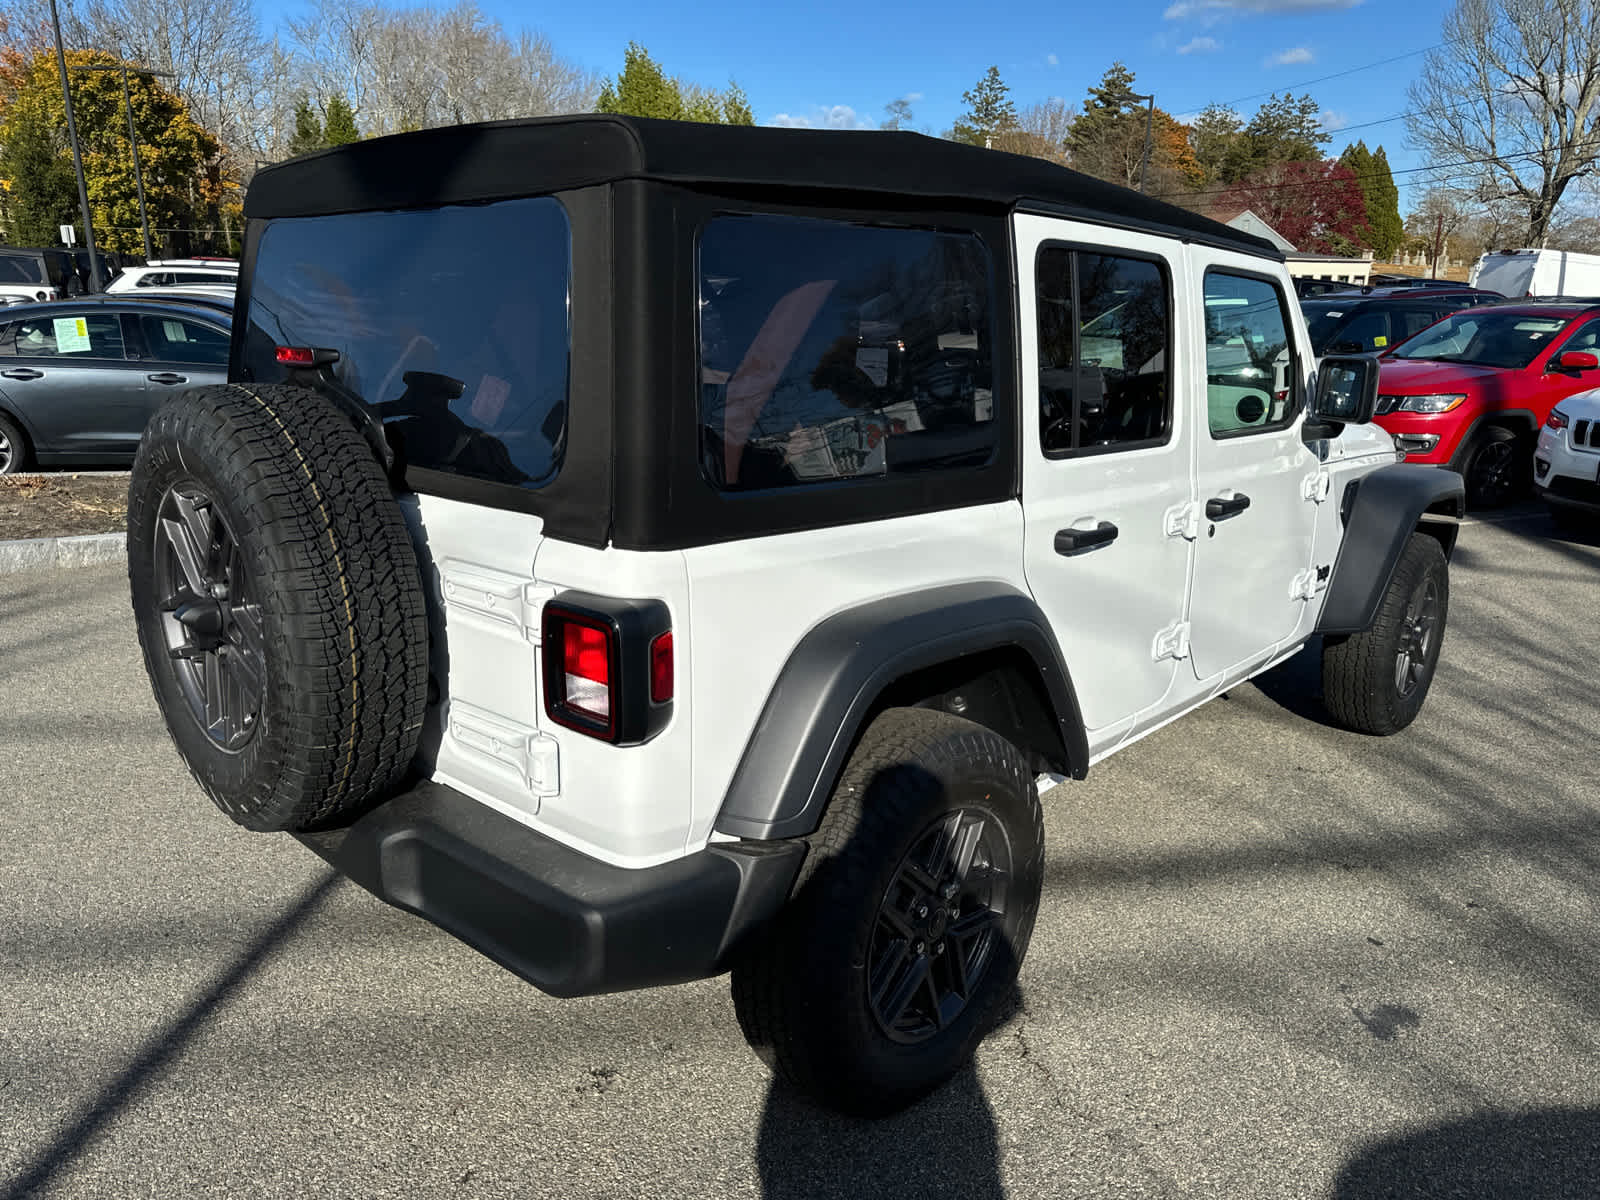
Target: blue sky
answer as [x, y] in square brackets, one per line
[839, 63]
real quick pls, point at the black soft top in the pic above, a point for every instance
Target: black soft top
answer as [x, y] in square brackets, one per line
[464, 164]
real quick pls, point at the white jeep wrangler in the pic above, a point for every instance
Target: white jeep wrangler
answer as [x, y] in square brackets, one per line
[648, 549]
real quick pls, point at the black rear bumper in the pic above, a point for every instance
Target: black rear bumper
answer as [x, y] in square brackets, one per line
[565, 922]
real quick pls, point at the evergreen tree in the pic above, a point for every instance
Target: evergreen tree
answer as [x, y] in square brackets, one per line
[989, 111]
[307, 129]
[1383, 207]
[41, 191]
[642, 89]
[339, 128]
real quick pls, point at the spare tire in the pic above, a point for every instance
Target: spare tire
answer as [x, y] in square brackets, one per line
[278, 604]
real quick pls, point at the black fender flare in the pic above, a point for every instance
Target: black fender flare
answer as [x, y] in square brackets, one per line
[816, 709]
[1380, 512]
[1511, 418]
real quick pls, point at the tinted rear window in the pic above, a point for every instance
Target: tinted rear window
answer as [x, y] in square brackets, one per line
[14, 268]
[451, 323]
[836, 351]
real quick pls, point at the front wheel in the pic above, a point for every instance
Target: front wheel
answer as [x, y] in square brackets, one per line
[13, 449]
[902, 942]
[1497, 468]
[1375, 682]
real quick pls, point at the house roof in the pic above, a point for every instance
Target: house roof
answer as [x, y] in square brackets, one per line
[504, 159]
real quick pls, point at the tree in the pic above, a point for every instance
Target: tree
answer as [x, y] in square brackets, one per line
[1513, 95]
[1212, 136]
[1385, 229]
[40, 189]
[989, 111]
[1107, 139]
[307, 135]
[1285, 129]
[642, 89]
[184, 179]
[1441, 212]
[1316, 206]
[1041, 131]
[339, 124]
[897, 114]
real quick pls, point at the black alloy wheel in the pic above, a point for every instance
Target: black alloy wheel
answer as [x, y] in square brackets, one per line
[210, 617]
[1413, 662]
[1494, 474]
[937, 926]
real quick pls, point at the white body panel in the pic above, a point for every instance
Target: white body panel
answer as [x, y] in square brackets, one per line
[1568, 457]
[1519, 273]
[739, 609]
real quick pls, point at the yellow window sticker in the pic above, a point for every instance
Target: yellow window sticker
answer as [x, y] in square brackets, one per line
[72, 335]
[1380, 340]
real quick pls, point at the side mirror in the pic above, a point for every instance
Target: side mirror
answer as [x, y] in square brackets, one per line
[1347, 389]
[1577, 360]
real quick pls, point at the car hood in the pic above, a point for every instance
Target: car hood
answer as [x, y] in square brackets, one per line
[1419, 376]
[1585, 405]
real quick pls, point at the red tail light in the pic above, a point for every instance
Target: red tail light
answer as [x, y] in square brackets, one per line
[306, 356]
[608, 666]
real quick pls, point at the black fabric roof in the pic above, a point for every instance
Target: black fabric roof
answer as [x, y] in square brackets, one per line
[467, 163]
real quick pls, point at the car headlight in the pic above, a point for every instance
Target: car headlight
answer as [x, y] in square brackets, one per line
[1440, 403]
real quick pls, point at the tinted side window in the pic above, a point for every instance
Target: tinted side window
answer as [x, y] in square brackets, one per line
[1105, 327]
[1250, 384]
[97, 335]
[459, 344]
[174, 340]
[1363, 333]
[1415, 320]
[835, 351]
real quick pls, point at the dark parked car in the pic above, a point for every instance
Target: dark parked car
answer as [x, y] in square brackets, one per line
[1372, 321]
[79, 379]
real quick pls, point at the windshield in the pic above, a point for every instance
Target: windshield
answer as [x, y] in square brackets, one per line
[1485, 338]
[1321, 321]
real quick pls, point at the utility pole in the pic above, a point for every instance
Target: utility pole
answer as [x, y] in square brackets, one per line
[133, 138]
[1149, 121]
[77, 153]
[1438, 242]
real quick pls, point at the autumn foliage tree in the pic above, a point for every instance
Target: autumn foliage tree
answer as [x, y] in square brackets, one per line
[1317, 206]
[182, 163]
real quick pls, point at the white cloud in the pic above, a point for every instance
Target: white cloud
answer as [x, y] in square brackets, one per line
[1332, 122]
[1289, 58]
[912, 97]
[1052, 60]
[1200, 45]
[1224, 8]
[824, 116]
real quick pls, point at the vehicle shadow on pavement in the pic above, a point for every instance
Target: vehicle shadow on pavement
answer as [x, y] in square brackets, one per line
[163, 1046]
[1541, 1155]
[944, 1146]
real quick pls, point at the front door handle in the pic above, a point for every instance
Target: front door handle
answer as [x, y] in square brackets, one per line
[1220, 508]
[167, 377]
[23, 373]
[1076, 541]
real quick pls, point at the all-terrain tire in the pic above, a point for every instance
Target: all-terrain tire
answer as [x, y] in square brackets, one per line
[804, 995]
[13, 447]
[278, 604]
[1375, 682]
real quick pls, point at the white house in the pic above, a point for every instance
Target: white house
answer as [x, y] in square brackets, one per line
[1341, 268]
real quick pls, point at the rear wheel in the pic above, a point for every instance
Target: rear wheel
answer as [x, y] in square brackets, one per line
[1496, 468]
[13, 447]
[902, 943]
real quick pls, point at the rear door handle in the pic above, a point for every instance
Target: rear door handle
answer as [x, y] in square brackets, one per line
[23, 373]
[1076, 541]
[167, 377]
[1220, 508]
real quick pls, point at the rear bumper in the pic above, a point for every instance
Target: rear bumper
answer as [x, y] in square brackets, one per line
[567, 923]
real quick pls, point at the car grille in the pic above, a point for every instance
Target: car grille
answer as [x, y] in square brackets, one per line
[1586, 433]
[1567, 488]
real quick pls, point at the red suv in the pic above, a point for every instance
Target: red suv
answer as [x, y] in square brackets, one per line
[1471, 391]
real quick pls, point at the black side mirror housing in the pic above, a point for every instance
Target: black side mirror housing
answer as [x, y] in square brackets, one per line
[1346, 391]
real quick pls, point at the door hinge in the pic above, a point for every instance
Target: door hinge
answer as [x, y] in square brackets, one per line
[1306, 584]
[495, 595]
[534, 756]
[1183, 520]
[1172, 642]
[1316, 486]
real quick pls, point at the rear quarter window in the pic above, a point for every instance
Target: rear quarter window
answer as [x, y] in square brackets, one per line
[450, 323]
[836, 351]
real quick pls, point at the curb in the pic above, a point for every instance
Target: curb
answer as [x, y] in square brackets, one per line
[42, 554]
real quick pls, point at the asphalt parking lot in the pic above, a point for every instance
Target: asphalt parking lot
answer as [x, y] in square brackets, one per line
[1274, 960]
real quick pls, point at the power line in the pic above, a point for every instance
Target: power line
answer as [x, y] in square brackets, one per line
[1290, 87]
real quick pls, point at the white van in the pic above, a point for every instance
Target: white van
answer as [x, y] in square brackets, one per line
[1519, 273]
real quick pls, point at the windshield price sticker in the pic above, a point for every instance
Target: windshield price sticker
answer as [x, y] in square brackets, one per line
[72, 335]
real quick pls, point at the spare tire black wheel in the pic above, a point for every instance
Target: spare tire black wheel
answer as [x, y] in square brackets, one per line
[278, 604]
